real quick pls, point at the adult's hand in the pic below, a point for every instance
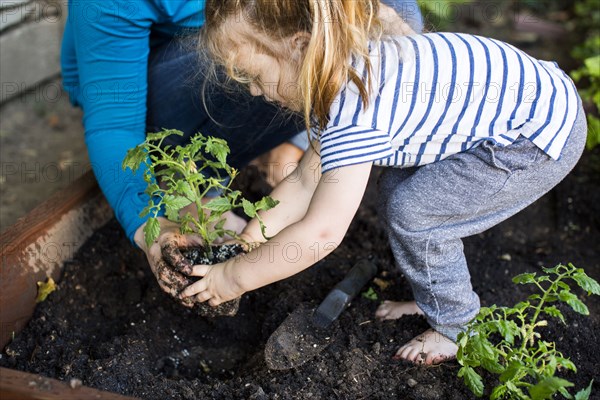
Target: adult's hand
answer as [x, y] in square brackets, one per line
[166, 261]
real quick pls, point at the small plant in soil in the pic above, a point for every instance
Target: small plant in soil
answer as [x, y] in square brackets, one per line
[187, 174]
[506, 341]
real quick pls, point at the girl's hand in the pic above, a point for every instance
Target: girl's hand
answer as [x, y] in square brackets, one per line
[166, 261]
[218, 285]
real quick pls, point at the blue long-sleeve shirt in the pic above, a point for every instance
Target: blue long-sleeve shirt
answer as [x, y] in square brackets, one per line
[104, 66]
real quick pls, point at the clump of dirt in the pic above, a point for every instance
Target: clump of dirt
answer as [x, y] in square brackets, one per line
[110, 325]
[220, 254]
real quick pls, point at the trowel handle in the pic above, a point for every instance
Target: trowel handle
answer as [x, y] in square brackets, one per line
[362, 272]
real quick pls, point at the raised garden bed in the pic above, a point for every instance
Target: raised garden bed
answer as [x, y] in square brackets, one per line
[110, 326]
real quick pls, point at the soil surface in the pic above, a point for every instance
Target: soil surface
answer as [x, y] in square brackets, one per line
[110, 325]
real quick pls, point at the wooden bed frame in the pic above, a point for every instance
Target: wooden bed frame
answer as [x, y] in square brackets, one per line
[32, 250]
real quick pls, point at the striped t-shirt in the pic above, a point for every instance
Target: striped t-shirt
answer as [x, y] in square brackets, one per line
[439, 94]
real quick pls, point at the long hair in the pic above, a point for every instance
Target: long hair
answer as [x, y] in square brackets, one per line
[339, 31]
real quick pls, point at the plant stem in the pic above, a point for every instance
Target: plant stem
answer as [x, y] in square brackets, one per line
[538, 308]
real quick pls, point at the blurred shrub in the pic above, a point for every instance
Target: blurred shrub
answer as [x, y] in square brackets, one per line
[438, 14]
[587, 76]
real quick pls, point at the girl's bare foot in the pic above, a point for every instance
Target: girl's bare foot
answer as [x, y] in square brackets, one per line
[396, 309]
[430, 347]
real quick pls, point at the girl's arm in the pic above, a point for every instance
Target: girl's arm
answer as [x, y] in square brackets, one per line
[296, 247]
[294, 194]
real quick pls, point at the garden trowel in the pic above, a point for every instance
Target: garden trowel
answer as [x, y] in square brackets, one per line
[307, 331]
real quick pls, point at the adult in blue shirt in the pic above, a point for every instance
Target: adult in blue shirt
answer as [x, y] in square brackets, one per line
[132, 67]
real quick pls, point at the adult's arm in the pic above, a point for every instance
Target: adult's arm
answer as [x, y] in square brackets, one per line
[105, 53]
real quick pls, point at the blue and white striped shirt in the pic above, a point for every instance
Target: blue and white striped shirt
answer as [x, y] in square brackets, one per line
[439, 94]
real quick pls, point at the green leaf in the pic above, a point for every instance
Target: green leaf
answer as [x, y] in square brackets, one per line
[553, 270]
[175, 203]
[565, 393]
[498, 392]
[572, 300]
[514, 392]
[508, 329]
[134, 158]
[218, 204]
[512, 370]
[156, 136]
[370, 294]
[172, 214]
[218, 148]
[585, 394]
[554, 312]
[524, 278]
[185, 189]
[219, 226]
[266, 203]
[151, 230]
[249, 208]
[472, 380]
[588, 284]
[566, 363]
[482, 347]
[522, 305]
[547, 387]
[492, 366]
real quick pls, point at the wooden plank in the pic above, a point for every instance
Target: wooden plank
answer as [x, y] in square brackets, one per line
[36, 247]
[17, 385]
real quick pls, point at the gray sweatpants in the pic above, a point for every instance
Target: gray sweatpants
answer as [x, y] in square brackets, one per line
[429, 209]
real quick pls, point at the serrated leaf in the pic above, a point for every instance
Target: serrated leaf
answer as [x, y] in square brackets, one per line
[472, 379]
[547, 387]
[522, 305]
[156, 136]
[249, 208]
[566, 363]
[151, 231]
[524, 278]
[172, 214]
[498, 392]
[554, 312]
[585, 394]
[462, 339]
[134, 158]
[508, 329]
[588, 284]
[176, 202]
[218, 148]
[492, 366]
[218, 204]
[44, 289]
[512, 370]
[572, 300]
[565, 393]
[482, 347]
[185, 189]
[553, 270]
[147, 209]
[266, 203]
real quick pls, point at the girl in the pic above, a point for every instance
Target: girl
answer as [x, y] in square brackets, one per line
[471, 131]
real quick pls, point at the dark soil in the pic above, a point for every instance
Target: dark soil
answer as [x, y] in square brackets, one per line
[110, 325]
[220, 254]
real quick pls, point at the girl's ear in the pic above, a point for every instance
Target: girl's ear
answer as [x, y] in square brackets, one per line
[299, 42]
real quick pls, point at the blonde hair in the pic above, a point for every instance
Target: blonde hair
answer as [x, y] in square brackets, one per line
[339, 30]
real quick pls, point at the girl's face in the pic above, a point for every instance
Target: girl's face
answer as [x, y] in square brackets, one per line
[269, 67]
